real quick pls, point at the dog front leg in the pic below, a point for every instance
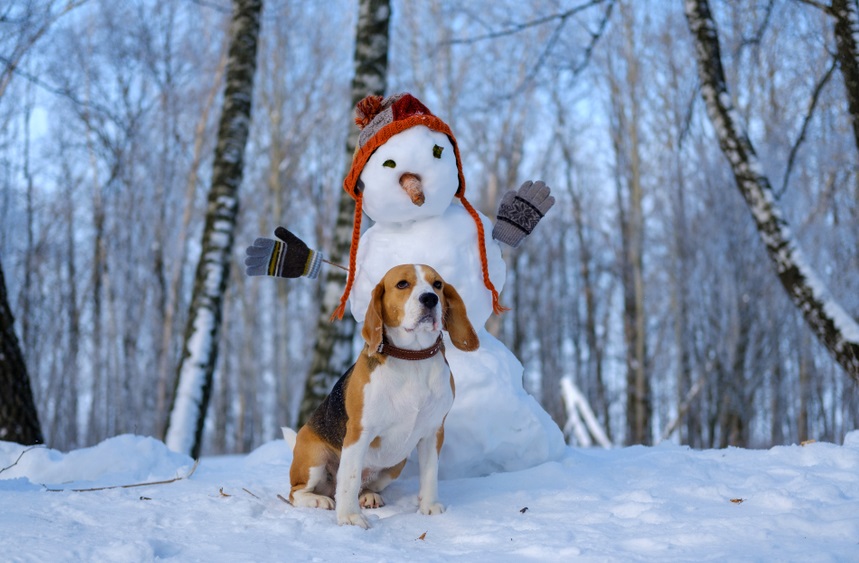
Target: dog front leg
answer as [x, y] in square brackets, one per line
[428, 448]
[349, 482]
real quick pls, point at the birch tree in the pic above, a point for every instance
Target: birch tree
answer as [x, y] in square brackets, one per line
[333, 351]
[830, 323]
[196, 368]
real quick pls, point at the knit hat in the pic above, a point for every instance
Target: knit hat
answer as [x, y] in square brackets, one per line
[380, 119]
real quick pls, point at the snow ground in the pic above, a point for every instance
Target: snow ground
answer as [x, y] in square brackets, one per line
[665, 503]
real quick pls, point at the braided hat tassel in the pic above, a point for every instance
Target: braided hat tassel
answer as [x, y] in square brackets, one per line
[353, 257]
[497, 307]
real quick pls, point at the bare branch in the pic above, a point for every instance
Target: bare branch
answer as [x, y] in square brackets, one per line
[759, 34]
[812, 105]
[553, 39]
[687, 119]
[25, 44]
[818, 5]
[518, 28]
[684, 407]
[20, 456]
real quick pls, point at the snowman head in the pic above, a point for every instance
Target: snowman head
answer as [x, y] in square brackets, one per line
[406, 167]
[382, 122]
[413, 175]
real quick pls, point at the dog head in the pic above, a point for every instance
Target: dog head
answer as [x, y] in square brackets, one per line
[415, 298]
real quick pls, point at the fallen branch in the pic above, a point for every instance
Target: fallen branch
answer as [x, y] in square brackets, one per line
[20, 456]
[150, 483]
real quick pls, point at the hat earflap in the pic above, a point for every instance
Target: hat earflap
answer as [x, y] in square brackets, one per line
[497, 307]
[353, 257]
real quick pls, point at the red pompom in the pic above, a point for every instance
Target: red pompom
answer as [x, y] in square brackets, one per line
[367, 109]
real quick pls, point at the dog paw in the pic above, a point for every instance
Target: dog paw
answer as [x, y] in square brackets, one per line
[356, 519]
[432, 508]
[369, 499]
[312, 500]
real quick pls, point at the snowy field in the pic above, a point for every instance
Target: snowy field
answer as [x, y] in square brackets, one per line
[666, 503]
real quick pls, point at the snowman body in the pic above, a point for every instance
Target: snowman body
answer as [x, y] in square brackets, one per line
[494, 425]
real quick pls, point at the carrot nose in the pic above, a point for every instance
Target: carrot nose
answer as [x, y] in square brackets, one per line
[411, 183]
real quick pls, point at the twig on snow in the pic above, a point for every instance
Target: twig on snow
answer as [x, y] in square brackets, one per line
[133, 485]
[20, 456]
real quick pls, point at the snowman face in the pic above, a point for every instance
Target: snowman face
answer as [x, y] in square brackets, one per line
[412, 176]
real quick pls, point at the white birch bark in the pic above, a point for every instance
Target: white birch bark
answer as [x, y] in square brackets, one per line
[333, 352]
[196, 369]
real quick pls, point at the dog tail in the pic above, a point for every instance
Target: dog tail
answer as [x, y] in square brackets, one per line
[289, 435]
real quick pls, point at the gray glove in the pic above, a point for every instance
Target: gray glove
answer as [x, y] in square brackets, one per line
[288, 257]
[520, 211]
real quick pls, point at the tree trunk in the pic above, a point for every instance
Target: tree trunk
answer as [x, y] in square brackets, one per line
[166, 383]
[630, 194]
[830, 323]
[19, 421]
[333, 352]
[846, 31]
[196, 368]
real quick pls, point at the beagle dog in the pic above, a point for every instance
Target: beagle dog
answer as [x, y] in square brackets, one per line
[394, 398]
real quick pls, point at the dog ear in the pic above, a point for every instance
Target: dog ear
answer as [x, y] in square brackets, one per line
[373, 324]
[456, 321]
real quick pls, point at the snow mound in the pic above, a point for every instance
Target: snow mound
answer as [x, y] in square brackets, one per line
[494, 424]
[121, 460]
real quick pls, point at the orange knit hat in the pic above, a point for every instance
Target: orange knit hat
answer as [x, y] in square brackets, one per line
[380, 119]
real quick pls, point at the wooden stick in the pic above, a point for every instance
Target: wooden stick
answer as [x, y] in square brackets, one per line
[20, 456]
[345, 269]
[168, 481]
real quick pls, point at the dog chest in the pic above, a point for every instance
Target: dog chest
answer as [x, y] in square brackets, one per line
[402, 404]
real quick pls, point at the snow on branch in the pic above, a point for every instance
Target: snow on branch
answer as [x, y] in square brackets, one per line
[832, 325]
[581, 421]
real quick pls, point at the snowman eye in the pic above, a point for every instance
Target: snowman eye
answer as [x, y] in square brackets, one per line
[436, 151]
[389, 164]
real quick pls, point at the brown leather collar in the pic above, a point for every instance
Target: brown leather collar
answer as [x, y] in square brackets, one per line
[389, 349]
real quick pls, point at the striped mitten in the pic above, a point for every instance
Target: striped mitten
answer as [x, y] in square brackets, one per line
[520, 211]
[288, 257]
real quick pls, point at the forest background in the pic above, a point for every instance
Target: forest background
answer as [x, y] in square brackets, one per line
[647, 285]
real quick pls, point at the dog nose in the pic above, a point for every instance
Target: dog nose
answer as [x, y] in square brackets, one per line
[428, 300]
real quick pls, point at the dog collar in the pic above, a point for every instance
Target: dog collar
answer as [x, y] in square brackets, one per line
[389, 349]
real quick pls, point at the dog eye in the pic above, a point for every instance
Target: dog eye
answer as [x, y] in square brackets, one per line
[436, 151]
[402, 284]
[437, 284]
[389, 164]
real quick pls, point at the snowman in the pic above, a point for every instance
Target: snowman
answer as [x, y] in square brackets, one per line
[406, 175]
